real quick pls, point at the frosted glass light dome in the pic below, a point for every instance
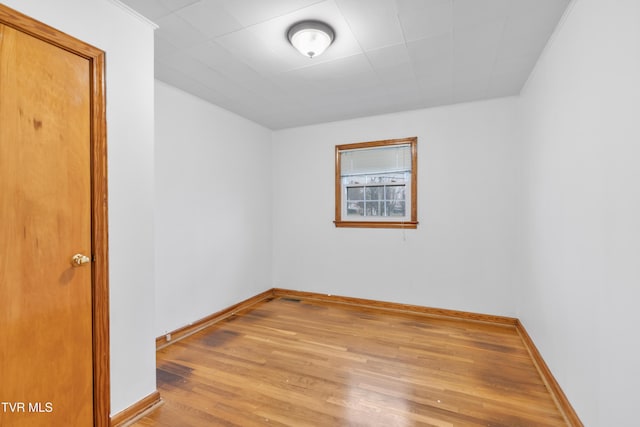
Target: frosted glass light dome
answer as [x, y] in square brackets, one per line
[310, 38]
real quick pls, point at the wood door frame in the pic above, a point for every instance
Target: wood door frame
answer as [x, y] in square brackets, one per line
[99, 229]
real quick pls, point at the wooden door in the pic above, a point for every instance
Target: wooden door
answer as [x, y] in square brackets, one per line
[47, 135]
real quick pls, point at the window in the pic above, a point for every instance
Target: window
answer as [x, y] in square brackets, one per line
[376, 184]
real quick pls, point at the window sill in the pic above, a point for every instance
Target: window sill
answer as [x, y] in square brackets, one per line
[377, 224]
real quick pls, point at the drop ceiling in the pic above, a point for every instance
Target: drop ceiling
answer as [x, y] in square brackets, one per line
[388, 55]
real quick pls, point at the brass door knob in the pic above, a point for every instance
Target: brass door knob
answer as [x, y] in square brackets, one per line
[78, 260]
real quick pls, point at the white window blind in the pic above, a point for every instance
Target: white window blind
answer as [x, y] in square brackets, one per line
[375, 160]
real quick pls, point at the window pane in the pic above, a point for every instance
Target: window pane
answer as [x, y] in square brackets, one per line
[375, 193]
[355, 193]
[355, 208]
[373, 208]
[396, 208]
[395, 192]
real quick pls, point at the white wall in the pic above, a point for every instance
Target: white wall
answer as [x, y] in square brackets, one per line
[580, 289]
[128, 43]
[213, 208]
[462, 256]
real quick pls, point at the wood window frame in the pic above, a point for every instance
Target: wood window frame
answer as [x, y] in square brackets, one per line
[412, 223]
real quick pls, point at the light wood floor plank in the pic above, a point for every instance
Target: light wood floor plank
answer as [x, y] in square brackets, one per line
[297, 362]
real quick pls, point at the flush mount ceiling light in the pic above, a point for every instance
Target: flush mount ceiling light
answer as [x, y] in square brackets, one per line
[311, 38]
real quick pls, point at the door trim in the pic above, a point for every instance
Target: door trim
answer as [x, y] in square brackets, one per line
[99, 229]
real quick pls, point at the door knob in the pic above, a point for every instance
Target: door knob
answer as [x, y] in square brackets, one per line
[78, 260]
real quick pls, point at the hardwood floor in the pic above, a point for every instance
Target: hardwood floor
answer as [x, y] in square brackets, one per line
[292, 362]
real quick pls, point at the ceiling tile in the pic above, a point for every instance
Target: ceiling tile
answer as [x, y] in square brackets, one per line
[178, 31]
[539, 16]
[440, 90]
[400, 93]
[252, 50]
[175, 5]
[163, 47]
[266, 88]
[209, 18]
[396, 74]
[470, 89]
[187, 84]
[473, 12]
[475, 47]
[425, 18]
[529, 26]
[389, 56]
[506, 84]
[335, 76]
[429, 52]
[250, 12]
[516, 44]
[515, 64]
[324, 87]
[150, 9]
[363, 15]
[207, 77]
[219, 59]
[433, 65]
[341, 67]
[175, 77]
[392, 64]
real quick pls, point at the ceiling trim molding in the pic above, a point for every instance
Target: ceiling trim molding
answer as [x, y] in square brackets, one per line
[135, 14]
